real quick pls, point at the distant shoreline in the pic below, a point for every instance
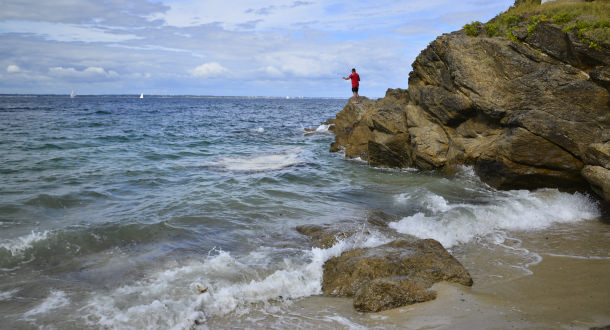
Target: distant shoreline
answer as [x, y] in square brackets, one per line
[183, 95]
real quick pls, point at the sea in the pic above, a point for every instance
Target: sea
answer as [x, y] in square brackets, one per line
[178, 212]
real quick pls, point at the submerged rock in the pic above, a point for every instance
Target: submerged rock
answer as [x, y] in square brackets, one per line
[327, 235]
[324, 237]
[524, 114]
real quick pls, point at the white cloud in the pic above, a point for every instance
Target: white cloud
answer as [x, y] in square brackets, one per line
[76, 11]
[209, 70]
[335, 15]
[90, 72]
[270, 46]
[65, 32]
[13, 68]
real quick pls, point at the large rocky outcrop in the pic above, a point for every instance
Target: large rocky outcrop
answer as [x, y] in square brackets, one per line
[527, 114]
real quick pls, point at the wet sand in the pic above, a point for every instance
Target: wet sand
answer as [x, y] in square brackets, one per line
[561, 293]
[568, 288]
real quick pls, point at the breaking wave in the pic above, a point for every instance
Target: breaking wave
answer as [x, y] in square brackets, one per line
[455, 223]
[183, 296]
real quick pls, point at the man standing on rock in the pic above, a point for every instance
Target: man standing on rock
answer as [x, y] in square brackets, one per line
[355, 83]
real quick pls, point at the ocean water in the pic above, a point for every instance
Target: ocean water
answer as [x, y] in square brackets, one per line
[179, 212]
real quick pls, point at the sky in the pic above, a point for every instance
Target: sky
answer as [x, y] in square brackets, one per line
[221, 47]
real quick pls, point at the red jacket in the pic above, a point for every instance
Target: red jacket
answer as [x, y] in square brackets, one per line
[355, 79]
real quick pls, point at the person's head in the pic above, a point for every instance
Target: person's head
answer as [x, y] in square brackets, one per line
[353, 70]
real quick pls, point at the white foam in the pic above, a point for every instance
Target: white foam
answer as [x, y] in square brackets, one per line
[293, 280]
[457, 223]
[56, 299]
[17, 246]
[358, 160]
[6, 295]
[174, 298]
[432, 202]
[261, 163]
[258, 130]
[346, 323]
[577, 257]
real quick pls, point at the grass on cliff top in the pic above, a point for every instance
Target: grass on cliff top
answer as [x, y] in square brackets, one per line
[590, 20]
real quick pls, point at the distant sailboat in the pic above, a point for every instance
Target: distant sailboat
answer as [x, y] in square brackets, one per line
[142, 95]
[73, 94]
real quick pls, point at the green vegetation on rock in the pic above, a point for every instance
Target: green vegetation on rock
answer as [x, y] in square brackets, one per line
[472, 29]
[590, 20]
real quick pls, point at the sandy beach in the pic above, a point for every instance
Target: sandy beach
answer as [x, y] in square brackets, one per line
[568, 288]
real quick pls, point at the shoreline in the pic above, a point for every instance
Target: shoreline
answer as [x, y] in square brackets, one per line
[557, 294]
[569, 289]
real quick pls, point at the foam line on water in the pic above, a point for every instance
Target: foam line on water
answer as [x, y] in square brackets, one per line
[6, 295]
[55, 300]
[261, 162]
[576, 256]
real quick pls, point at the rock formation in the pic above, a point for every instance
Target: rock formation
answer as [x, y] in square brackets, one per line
[526, 114]
[392, 275]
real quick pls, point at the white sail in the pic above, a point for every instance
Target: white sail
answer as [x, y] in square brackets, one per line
[72, 94]
[142, 95]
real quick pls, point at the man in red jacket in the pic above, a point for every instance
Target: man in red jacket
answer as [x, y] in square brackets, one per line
[355, 83]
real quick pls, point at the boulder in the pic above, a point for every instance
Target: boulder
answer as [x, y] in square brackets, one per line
[599, 178]
[392, 275]
[323, 236]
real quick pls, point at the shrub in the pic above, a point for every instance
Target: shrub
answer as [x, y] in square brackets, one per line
[589, 20]
[492, 29]
[472, 29]
[534, 20]
[510, 35]
[562, 18]
[509, 20]
[578, 26]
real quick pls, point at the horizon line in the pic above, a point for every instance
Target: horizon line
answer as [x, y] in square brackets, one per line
[182, 95]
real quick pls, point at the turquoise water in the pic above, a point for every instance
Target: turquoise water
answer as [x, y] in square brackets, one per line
[117, 211]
